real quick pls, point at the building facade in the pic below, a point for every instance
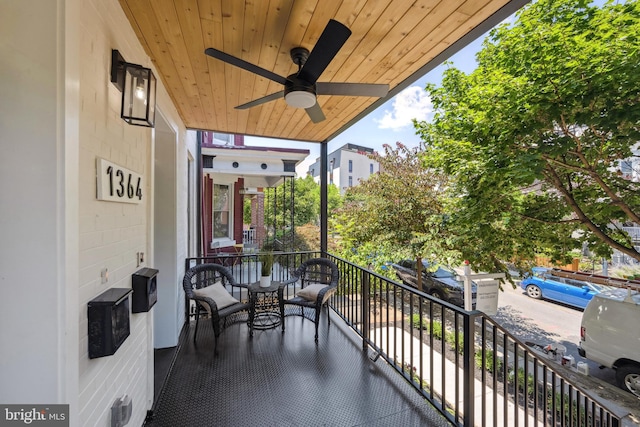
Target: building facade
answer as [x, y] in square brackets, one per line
[232, 173]
[348, 165]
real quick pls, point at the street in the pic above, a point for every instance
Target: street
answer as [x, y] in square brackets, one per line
[545, 322]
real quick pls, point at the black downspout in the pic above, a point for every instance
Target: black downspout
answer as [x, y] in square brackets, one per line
[323, 199]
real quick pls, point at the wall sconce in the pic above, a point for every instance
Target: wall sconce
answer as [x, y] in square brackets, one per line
[138, 87]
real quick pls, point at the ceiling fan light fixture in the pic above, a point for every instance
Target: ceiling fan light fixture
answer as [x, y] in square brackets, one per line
[300, 99]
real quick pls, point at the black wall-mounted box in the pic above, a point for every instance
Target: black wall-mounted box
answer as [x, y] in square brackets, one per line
[108, 316]
[145, 290]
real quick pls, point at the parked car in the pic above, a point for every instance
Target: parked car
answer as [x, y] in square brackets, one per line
[438, 281]
[609, 335]
[576, 293]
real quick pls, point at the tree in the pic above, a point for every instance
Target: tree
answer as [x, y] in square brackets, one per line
[305, 200]
[533, 136]
[395, 213]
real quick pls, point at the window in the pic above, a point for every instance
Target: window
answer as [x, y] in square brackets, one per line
[221, 211]
[331, 171]
[289, 165]
[350, 180]
[350, 165]
[222, 138]
[370, 168]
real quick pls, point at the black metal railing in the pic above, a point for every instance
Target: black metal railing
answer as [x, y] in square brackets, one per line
[469, 367]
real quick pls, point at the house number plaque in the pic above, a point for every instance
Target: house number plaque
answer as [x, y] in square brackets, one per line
[118, 184]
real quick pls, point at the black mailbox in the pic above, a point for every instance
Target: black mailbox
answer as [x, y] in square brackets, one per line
[108, 316]
[145, 291]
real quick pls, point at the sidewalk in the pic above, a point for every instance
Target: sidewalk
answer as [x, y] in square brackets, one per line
[448, 390]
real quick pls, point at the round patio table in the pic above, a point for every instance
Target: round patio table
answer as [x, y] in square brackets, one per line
[264, 308]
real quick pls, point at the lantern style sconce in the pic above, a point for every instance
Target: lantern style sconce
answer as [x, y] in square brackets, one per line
[138, 87]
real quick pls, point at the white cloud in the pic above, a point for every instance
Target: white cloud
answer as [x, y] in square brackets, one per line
[411, 103]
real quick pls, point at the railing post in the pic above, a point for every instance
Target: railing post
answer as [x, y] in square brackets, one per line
[469, 369]
[365, 308]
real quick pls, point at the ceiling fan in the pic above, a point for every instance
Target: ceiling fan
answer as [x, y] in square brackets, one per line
[301, 88]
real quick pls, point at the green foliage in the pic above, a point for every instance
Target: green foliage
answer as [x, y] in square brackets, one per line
[570, 416]
[266, 261]
[395, 213]
[435, 328]
[417, 322]
[488, 365]
[450, 338]
[246, 210]
[522, 380]
[306, 202]
[532, 138]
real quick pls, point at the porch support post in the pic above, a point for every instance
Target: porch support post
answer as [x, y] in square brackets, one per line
[323, 198]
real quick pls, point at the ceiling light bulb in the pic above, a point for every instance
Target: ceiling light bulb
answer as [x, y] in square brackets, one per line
[300, 99]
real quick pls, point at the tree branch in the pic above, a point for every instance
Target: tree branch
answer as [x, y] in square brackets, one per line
[557, 182]
[566, 221]
[615, 199]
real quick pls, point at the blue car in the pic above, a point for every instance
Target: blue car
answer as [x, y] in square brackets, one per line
[576, 293]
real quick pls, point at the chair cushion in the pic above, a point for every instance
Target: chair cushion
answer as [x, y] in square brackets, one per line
[310, 292]
[218, 293]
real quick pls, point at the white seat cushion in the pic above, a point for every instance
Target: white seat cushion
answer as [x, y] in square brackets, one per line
[310, 292]
[218, 293]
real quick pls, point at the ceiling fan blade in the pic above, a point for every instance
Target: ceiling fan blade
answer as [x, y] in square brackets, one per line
[260, 101]
[241, 63]
[315, 113]
[333, 37]
[352, 89]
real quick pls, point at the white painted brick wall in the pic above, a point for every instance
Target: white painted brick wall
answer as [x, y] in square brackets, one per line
[112, 233]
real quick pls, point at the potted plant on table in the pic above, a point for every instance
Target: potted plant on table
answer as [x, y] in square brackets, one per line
[266, 263]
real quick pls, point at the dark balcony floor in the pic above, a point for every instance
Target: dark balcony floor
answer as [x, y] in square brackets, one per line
[286, 379]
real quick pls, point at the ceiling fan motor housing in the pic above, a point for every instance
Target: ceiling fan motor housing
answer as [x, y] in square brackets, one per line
[299, 93]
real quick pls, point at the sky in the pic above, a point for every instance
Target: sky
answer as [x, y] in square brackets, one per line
[391, 121]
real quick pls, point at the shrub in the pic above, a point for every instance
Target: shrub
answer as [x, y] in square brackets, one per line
[418, 322]
[489, 356]
[521, 381]
[450, 338]
[570, 417]
[435, 329]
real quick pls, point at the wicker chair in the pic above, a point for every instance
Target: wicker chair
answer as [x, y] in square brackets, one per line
[319, 278]
[201, 277]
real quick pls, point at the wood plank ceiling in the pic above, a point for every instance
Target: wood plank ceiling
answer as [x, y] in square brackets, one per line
[393, 42]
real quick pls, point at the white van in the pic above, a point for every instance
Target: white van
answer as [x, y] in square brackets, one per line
[610, 335]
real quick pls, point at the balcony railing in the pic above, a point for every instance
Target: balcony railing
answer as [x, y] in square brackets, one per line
[469, 367]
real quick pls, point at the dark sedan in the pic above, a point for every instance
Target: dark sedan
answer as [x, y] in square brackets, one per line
[438, 281]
